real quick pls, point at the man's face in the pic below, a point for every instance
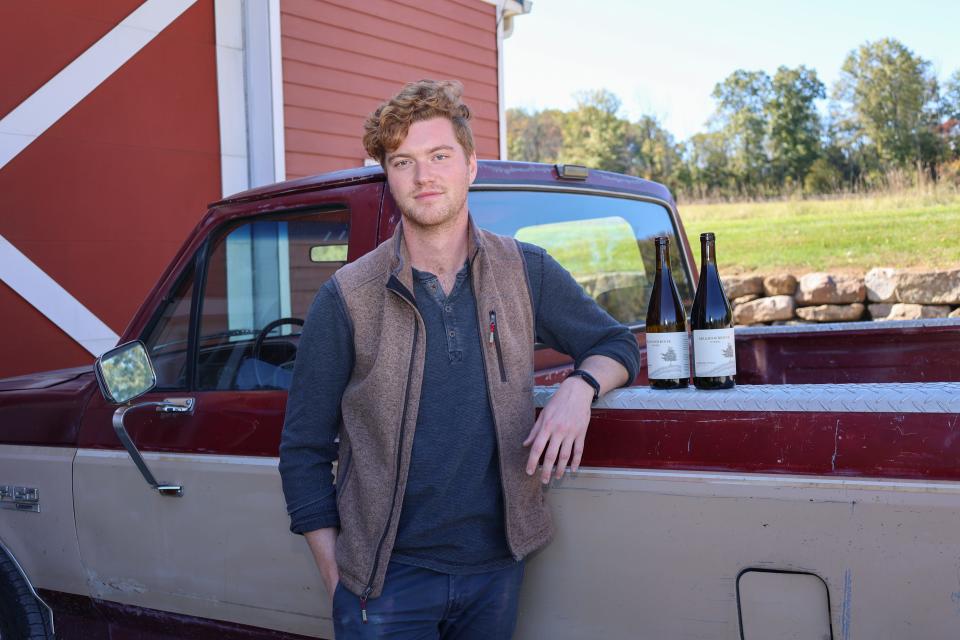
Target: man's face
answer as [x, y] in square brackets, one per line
[429, 174]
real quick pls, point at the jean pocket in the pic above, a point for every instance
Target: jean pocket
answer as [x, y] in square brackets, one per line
[338, 594]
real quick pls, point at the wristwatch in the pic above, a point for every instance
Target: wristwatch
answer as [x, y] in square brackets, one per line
[589, 379]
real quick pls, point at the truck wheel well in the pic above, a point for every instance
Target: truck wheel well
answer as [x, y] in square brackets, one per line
[22, 613]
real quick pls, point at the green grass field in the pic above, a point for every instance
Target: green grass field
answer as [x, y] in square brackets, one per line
[588, 246]
[850, 234]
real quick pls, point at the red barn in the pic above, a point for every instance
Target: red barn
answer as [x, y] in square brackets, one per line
[121, 119]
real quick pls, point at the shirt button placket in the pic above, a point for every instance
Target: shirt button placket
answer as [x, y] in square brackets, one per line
[450, 320]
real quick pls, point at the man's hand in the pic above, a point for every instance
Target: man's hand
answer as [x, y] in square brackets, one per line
[561, 428]
[323, 544]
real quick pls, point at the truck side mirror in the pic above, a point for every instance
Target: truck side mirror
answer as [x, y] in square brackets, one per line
[125, 372]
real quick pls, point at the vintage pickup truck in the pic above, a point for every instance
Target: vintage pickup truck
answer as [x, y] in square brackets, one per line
[820, 498]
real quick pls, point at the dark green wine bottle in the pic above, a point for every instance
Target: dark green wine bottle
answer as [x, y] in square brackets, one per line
[668, 346]
[714, 351]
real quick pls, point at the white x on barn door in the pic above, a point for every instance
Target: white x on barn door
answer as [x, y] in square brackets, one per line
[31, 118]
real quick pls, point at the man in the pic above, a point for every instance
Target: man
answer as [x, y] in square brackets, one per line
[419, 356]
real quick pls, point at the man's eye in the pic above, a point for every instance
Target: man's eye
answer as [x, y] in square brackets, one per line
[400, 163]
[441, 156]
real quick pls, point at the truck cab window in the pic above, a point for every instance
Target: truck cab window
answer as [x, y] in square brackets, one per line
[605, 242]
[261, 278]
[166, 340]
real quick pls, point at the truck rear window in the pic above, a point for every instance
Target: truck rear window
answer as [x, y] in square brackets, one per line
[605, 242]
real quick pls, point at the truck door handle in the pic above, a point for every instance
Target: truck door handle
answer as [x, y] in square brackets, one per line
[168, 405]
[175, 405]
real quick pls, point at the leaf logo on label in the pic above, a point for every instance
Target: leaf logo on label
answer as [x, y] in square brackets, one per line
[669, 355]
[728, 352]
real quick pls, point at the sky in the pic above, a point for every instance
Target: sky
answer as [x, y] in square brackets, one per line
[663, 57]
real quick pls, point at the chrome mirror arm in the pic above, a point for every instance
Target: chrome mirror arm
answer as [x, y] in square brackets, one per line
[178, 405]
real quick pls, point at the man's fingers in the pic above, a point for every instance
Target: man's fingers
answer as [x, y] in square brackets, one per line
[564, 457]
[549, 457]
[534, 431]
[536, 450]
[577, 454]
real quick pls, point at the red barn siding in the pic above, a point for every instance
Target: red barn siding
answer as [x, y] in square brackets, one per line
[31, 342]
[341, 59]
[41, 38]
[102, 200]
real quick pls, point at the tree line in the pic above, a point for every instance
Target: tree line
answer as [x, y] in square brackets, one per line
[888, 123]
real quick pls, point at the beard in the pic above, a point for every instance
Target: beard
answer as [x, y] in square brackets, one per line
[435, 213]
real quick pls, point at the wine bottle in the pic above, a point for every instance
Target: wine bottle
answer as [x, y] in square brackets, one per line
[668, 353]
[714, 351]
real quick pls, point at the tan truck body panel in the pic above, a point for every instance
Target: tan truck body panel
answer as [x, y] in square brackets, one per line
[638, 553]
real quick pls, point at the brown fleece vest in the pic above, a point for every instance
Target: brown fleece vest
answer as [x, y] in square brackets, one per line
[381, 400]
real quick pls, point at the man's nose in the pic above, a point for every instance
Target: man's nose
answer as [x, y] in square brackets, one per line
[422, 173]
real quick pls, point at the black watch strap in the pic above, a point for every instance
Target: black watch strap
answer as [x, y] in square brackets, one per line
[589, 379]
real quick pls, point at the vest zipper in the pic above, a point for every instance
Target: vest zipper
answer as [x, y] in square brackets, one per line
[495, 339]
[396, 485]
[496, 431]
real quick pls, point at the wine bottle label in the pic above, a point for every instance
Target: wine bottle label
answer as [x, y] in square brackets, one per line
[668, 355]
[714, 353]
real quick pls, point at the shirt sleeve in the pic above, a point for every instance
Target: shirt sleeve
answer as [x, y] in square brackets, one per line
[570, 321]
[308, 445]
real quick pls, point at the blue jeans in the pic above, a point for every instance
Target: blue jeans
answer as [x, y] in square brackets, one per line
[422, 604]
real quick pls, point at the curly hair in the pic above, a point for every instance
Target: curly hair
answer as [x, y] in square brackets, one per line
[385, 128]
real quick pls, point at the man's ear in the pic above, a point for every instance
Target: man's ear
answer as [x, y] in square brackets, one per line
[472, 163]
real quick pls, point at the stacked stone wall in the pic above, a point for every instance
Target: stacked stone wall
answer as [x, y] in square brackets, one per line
[883, 293]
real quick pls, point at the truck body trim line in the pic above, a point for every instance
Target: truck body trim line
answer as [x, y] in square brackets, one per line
[906, 397]
[757, 479]
[652, 474]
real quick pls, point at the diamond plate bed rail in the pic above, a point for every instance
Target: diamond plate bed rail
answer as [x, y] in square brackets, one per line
[833, 327]
[912, 397]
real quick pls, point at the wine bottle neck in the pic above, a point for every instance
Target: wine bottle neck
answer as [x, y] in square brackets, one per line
[708, 254]
[663, 258]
